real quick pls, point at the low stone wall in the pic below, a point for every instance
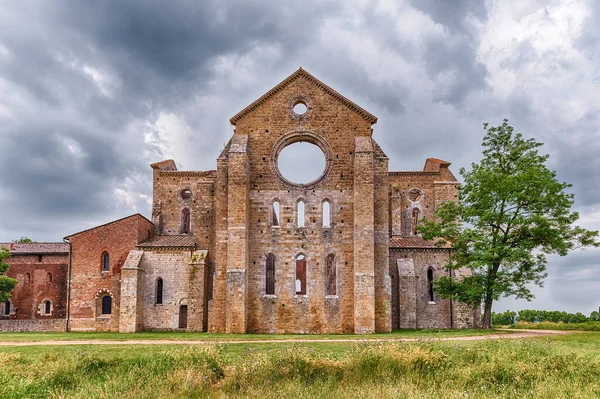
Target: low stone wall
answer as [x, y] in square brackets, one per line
[49, 325]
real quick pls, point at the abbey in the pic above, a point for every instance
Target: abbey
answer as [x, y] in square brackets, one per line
[243, 249]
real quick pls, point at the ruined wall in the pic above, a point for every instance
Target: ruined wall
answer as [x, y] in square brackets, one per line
[89, 283]
[333, 126]
[30, 294]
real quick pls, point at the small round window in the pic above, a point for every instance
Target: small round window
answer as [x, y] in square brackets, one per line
[300, 108]
[186, 194]
[414, 195]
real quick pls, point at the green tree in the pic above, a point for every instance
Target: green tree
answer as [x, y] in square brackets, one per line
[6, 283]
[512, 212]
[23, 240]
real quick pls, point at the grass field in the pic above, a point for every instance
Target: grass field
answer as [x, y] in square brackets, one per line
[548, 325]
[549, 367]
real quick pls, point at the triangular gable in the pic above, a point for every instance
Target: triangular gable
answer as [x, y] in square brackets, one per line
[301, 72]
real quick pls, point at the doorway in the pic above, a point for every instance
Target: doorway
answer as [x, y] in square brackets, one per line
[183, 316]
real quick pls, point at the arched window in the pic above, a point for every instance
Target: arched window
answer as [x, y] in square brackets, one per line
[415, 220]
[159, 291]
[270, 275]
[300, 275]
[27, 278]
[106, 304]
[275, 214]
[185, 221]
[7, 308]
[49, 277]
[105, 262]
[47, 307]
[300, 213]
[430, 285]
[331, 274]
[326, 214]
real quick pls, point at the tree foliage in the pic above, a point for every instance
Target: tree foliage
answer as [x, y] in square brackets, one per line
[23, 240]
[6, 283]
[512, 213]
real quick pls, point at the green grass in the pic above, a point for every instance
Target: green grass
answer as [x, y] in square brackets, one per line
[547, 367]
[75, 336]
[548, 325]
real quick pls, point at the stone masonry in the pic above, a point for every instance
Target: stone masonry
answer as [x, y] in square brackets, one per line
[242, 249]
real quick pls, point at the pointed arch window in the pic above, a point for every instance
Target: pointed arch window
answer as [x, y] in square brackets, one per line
[275, 213]
[415, 220]
[186, 221]
[270, 275]
[106, 304]
[300, 275]
[7, 308]
[331, 275]
[105, 262]
[300, 207]
[159, 291]
[430, 285]
[47, 307]
[326, 214]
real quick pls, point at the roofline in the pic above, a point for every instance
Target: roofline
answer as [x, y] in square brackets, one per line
[106, 224]
[301, 72]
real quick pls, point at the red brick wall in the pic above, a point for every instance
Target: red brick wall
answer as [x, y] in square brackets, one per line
[88, 279]
[27, 298]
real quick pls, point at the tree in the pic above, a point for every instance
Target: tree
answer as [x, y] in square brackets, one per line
[23, 240]
[6, 283]
[512, 212]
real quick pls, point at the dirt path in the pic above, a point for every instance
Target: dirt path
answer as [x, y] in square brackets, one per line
[511, 335]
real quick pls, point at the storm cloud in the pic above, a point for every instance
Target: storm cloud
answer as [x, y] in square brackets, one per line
[94, 92]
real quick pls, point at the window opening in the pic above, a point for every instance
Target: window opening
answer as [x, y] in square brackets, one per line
[275, 221]
[105, 262]
[159, 291]
[106, 305]
[49, 277]
[270, 275]
[331, 274]
[300, 213]
[7, 308]
[301, 275]
[415, 220]
[430, 284]
[326, 214]
[47, 307]
[185, 221]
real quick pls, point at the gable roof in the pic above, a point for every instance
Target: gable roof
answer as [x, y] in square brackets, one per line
[109, 223]
[170, 241]
[301, 72]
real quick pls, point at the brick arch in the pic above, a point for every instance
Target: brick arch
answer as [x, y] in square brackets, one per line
[103, 291]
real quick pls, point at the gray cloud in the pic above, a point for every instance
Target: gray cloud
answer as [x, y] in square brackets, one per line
[97, 91]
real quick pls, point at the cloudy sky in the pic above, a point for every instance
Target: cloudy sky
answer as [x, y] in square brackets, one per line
[92, 92]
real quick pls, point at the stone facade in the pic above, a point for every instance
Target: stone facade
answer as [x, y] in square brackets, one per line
[242, 249]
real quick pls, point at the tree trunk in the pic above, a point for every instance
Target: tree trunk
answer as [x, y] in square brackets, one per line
[487, 314]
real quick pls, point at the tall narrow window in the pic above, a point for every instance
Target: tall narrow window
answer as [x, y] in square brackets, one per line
[326, 214]
[300, 275]
[49, 277]
[415, 220]
[47, 307]
[27, 278]
[159, 291]
[275, 216]
[300, 213]
[185, 221]
[7, 308]
[430, 284]
[105, 262]
[331, 274]
[270, 274]
[106, 304]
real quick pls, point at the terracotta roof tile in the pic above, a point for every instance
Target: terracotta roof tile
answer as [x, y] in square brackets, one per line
[36, 248]
[169, 241]
[413, 242]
